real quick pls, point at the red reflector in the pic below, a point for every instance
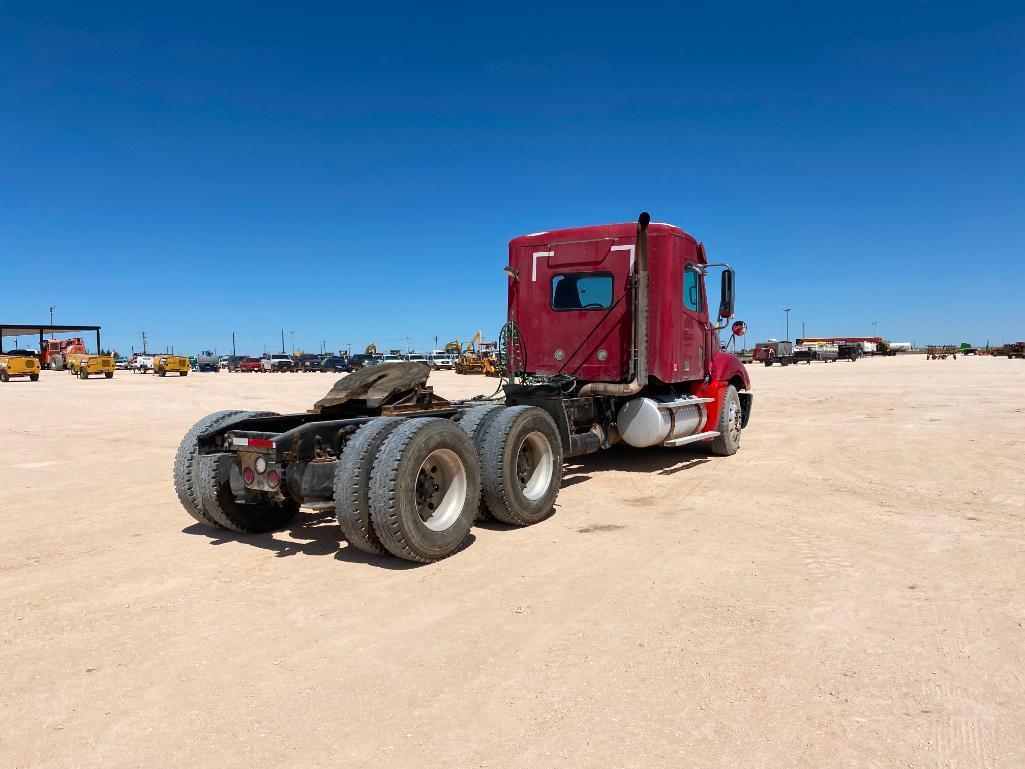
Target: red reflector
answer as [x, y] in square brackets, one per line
[273, 478]
[261, 443]
[248, 476]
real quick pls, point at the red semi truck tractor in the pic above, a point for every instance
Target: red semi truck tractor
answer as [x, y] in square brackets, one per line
[608, 340]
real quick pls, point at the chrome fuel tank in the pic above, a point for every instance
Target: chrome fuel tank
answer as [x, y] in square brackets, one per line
[652, 421]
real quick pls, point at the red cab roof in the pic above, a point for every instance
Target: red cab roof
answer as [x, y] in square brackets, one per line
[598, 232]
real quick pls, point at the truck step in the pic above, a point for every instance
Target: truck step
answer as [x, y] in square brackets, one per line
[691, 439]
[684, 401]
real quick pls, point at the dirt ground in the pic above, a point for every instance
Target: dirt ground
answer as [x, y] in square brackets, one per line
[847, 591]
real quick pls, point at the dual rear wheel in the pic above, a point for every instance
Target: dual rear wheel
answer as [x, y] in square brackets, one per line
[409, 487]
[413, 488]
[203, 483]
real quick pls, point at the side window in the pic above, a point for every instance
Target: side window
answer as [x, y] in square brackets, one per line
[692, 290]
[582, 291]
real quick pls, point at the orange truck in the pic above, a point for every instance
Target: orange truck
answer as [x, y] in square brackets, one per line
[55, 352]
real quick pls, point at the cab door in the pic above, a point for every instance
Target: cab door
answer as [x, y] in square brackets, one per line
[695, 327]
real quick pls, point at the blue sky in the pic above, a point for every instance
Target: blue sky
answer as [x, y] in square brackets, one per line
[355, 172]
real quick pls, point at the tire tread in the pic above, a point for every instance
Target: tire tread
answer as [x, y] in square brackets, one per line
[355, 466]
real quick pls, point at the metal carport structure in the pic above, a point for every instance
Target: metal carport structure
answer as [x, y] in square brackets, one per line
[13, 330]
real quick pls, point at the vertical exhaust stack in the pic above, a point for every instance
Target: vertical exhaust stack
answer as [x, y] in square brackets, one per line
[641, 301]
[640, 317]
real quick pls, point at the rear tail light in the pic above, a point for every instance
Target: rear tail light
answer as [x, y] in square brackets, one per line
[273, 479]
[248, 476]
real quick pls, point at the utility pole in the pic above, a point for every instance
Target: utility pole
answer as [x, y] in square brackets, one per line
[282, 341]
[802, 330]
[435, 341]
[52, 308]
[143, 342]
[407, 345]
[233, 353]
[293, 341]
[787, 311]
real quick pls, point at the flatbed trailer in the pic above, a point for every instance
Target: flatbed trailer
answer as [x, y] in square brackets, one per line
[941, 351]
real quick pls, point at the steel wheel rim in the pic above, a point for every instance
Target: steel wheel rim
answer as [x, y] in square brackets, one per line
[733, 421]
[534, 465]
[441, 486]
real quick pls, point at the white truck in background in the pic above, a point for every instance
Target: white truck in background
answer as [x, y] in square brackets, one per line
[277, 363]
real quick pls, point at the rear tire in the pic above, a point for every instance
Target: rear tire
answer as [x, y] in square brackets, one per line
[425, 490]
[186, 458]
[352, 484]
[475, 423]
[218, 500]
[731, 417]
[4, 376]
[33, 377]
[521, 465]
[108, 374]
[161, 372]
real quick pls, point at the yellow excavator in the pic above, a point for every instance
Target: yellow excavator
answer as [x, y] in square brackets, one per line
[371, 349]
[454, 348]
[488, 353]
[470, 360]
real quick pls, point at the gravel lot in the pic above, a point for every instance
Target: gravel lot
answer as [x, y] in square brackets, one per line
[847, 591]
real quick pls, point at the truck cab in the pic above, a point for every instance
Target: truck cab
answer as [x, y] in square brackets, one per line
[621, 312]
[573, 302]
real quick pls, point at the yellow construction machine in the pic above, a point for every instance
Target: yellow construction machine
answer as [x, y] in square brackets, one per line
[470, 361]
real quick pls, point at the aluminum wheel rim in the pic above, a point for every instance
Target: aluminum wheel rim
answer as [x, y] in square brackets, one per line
[441, 486]
[734, 420]
[534, 465]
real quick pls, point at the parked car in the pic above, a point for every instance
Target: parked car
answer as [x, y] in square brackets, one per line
[122, 364]
[249, 365]
[360, 360]
[277, 363]
[308, 362]
[415, 357]
[335, 365]
[391, 358]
